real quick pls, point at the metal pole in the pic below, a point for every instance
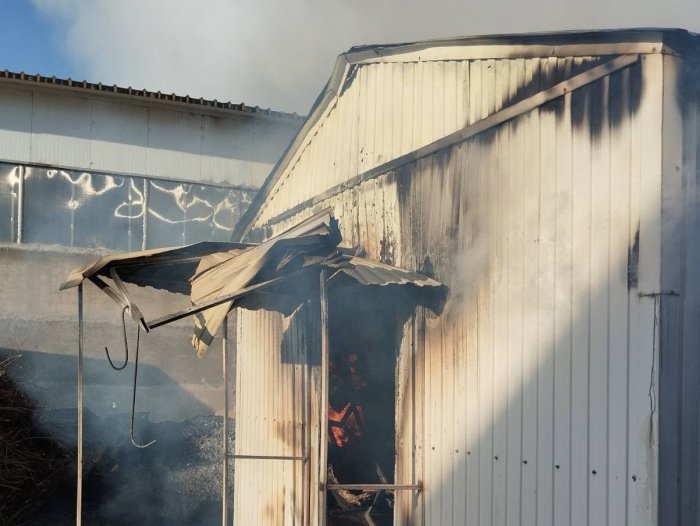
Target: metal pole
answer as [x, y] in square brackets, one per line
[144, 223]
[306, 479]
[323, 442]
[79, 492]
[268, 457]
[20, 204]
[224, 488]
[377, 487]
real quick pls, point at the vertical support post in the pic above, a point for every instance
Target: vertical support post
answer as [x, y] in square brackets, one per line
[323, 441]
[20, 204]
[79, 492]
[224, 477]
[144, 223]
[308, 423]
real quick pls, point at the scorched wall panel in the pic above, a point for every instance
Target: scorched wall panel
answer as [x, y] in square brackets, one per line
[538, 381]
[388, 109]
[679, 396]
[275, 417]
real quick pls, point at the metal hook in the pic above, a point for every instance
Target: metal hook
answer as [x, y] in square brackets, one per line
[126, 345]
[133, 394]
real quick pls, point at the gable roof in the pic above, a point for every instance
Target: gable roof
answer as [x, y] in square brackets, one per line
[529, 45]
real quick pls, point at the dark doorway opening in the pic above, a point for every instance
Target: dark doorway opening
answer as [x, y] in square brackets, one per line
[363, 347]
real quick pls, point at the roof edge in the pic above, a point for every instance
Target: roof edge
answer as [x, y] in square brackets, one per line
[322, 102]
[145, 96]
[669, 36]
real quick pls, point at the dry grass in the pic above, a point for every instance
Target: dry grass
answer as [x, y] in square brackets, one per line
[29, 462]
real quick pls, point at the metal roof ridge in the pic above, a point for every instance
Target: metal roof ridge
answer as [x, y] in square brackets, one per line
[536, 36]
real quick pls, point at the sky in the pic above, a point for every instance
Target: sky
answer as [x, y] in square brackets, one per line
[271, 53]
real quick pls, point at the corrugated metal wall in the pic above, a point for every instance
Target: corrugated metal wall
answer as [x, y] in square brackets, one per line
[98, 134]
[537, 377]
[389, 109]
[539, 381]
[679, 389]
[276, 415]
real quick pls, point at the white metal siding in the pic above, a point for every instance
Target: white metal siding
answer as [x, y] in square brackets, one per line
[99, 134]
[61, 130]
[393, 108]
[242, 150]
[275, 416]
[539, 380]
[174, 145]
[224, 156]
[119, 140]
[15, 123]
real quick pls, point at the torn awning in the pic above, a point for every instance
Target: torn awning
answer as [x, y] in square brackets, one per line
[273, 275]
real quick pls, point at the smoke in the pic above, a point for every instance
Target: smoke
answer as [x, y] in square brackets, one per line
[280, 53]
[470, 266]
[175, 481]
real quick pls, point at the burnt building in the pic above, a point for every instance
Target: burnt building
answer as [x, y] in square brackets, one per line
[550, 182]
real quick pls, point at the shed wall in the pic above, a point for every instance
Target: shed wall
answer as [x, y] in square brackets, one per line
[539, 380]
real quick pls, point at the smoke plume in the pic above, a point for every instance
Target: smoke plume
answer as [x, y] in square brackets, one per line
[280, 53]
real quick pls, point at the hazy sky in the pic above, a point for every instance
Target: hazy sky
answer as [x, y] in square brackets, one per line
[276, 53]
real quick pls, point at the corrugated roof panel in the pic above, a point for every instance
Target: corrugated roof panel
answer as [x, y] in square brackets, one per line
[219, 275]
[367, 272]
